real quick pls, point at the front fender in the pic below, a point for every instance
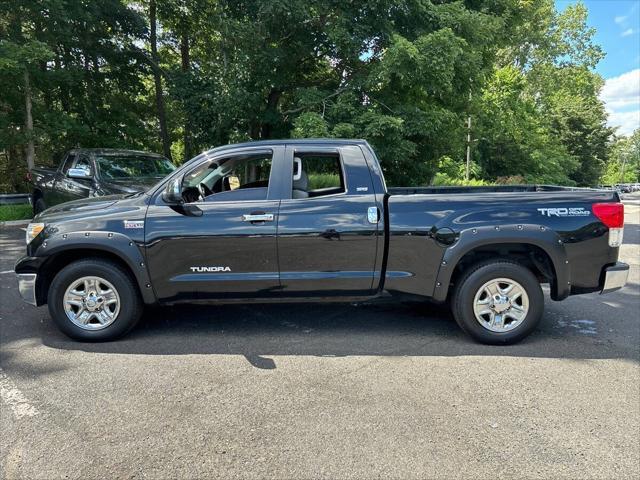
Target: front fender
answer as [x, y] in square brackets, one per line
[540, 236]
[114, 243]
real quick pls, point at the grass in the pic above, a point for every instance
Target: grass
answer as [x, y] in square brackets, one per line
[15, 212]
[323, 180]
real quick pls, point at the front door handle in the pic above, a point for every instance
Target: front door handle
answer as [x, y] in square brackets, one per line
[258, 217]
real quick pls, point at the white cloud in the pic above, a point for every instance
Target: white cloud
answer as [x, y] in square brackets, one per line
[620, 19]
[622, 90]
[626, 122]
[627, 32]
[621, 96]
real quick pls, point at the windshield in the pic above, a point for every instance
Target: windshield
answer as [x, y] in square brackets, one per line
[132, 165]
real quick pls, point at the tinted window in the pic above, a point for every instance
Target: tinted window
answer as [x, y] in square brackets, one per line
[133, 166]
[84, 163]
[231, 174]
[316, 175]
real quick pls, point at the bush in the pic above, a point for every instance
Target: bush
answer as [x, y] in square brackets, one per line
[511, 180]
[443, 180]
[451, 172]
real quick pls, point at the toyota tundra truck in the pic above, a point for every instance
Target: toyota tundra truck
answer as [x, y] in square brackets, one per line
[310, 221]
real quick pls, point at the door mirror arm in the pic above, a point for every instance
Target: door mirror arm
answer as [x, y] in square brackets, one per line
[188, 209]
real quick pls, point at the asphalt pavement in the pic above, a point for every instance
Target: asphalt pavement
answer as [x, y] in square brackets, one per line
[323, 390]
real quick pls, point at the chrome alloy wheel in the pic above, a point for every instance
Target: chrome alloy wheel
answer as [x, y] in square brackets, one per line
[91, 303]
[501, 304]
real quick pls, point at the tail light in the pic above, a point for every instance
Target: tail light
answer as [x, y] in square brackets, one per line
[612, 215]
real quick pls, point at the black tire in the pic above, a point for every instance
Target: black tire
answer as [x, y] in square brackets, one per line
[39, 206]
[474, 278]
[130, 303]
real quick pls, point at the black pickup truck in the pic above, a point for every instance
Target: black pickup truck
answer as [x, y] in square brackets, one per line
[312, 220]
[93, 172]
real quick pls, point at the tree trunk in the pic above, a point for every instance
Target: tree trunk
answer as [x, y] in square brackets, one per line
[157, 78]
[28, 123]
[271, 113]
[186, 66]
[13, 167]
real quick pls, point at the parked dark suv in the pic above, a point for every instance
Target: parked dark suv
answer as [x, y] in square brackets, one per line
[91, 172]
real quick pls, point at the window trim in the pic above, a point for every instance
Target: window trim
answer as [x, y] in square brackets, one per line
[70, 159]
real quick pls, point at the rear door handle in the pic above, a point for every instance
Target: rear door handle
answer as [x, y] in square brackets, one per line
[258, 217]
[373, 215]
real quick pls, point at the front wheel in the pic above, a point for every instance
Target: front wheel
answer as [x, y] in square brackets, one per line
[94, 300]
[498, 302]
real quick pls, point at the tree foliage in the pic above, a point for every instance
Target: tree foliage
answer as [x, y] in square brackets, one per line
[403, 74]
[623, 165]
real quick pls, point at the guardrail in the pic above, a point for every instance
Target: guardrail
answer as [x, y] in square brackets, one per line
[15, 198]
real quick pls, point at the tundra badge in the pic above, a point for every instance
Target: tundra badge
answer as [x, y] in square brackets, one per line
[210, 269]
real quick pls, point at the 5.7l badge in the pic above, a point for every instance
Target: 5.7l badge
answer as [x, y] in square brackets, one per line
[133, 223]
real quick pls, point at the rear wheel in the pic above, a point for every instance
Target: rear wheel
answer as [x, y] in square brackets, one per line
[94, 300]
[498, 302]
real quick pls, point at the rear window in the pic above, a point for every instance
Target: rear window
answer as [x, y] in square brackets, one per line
[317, 175]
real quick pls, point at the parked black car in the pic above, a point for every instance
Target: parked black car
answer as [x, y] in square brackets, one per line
[91, 172]
[314, 221]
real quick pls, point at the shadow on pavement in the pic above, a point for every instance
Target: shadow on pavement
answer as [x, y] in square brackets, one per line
[324, 330]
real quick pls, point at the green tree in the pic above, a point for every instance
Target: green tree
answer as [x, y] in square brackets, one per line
[516, 138]
[87, 78]
[403, 74]
[567, 89]
[623, 165]
[540, 116]
[388, 71]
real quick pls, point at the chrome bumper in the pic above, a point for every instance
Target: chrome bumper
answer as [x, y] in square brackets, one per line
[615, 277]
[27, 287]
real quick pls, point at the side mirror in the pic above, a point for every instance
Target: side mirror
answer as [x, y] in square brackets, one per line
[80, 173]
[173, 192]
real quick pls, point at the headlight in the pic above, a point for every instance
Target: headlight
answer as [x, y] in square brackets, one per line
[33, 230]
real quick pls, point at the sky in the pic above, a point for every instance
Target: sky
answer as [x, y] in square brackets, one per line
[617, 24]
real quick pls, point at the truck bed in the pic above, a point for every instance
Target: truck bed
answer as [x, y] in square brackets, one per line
[481, 189]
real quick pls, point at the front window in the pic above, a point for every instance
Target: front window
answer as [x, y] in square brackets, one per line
[114, 167]
[83, 163]
[239, 177]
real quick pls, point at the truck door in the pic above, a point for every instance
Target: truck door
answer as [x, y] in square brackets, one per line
[75, 188]
[54, 195]
[328, 225]
[222, 241]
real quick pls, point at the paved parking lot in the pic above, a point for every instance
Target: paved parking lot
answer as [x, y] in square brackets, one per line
[300, 391]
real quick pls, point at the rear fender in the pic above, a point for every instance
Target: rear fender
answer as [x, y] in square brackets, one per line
[469, 239]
